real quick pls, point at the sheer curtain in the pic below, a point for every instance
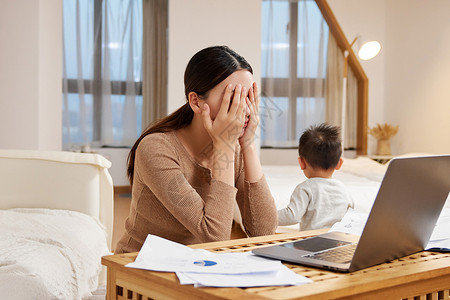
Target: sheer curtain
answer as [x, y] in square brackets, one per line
[334, 87]
[102, 72]
[334, 94]
[155, 18]
[294, 47]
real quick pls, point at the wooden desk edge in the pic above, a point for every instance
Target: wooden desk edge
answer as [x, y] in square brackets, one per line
[386, 278]
[259, 239]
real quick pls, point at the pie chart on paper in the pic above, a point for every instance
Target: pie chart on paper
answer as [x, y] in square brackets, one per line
[204, 263]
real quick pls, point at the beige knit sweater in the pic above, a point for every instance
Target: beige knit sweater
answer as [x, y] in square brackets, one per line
[176, 198]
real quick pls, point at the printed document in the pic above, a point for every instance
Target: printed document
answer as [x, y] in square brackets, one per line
[204, 268]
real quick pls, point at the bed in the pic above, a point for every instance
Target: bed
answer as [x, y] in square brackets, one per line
[362, 177]
[56, 220]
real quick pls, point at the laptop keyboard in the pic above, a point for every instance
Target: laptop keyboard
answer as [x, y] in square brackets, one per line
[343, 254]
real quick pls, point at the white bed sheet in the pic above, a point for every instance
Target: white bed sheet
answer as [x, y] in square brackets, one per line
[50, 254]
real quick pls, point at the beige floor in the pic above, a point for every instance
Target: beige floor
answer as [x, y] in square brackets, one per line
[122, 200]
[121, 209]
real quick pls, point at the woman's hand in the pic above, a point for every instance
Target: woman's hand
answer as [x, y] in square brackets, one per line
[253, 119]
[252, 165]
[225, 129]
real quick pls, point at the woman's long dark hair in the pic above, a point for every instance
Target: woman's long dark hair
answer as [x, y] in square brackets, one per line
[206, 69]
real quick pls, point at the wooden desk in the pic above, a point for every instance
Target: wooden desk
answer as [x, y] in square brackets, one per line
[425, 275]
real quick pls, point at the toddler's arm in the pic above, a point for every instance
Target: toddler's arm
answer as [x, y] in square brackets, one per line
[296, 208]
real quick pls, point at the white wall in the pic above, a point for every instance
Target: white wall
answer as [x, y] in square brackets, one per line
[30, 74]
[409, 80]
[118, 158]
[50, 74]
[418, 74]
[196, 24]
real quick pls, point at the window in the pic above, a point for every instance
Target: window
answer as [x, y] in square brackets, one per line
[102, 72]
[294, 44]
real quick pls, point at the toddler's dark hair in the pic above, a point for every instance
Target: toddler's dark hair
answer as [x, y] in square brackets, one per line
[321, 146]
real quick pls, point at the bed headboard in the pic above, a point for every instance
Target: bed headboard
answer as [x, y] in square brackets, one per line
[58, 180]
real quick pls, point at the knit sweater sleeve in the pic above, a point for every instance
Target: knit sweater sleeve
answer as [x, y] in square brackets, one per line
[206, 210]
[257, 206]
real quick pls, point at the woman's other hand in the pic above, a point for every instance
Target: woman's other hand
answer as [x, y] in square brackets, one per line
[227, 126]
[252, 119]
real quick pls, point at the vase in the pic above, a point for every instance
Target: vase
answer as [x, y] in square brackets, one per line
[384, 147]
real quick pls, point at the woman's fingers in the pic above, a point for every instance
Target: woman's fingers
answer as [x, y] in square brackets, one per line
[256, 95]
[251, 99]
[226, 100]
[238, 103]
[251, 95]
[243, 105]
[251, 106]
[236, 100]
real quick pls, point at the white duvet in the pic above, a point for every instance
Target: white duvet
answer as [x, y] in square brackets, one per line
[49, 254]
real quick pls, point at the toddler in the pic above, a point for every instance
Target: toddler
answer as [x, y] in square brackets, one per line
[320, 201]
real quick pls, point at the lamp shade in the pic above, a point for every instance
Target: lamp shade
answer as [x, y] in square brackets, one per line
[369, 50]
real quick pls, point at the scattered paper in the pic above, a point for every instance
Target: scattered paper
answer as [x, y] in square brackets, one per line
[439, 245]
[442, 229]
[281, 277]
[353, 222]
[158, 254]
[204, 268]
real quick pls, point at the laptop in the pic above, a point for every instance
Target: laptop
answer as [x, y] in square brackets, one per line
[403, 216]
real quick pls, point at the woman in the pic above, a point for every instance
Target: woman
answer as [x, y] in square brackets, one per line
[188, 169]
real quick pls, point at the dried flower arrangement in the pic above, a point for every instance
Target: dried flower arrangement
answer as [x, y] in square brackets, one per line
[383, 132]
